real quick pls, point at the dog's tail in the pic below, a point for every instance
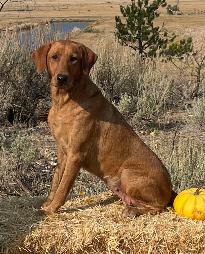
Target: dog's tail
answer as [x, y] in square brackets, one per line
[173, 196]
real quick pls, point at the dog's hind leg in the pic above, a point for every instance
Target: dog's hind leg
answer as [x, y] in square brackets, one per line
[141, 194]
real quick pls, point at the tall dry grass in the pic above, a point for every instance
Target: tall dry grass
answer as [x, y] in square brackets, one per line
[145, 92]
[196, 113]
[183, 156]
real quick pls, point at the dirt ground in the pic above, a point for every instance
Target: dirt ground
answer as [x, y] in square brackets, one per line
[30, 11]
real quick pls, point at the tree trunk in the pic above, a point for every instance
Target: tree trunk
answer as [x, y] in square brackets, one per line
[140, 46]
[2, 5]
[177, 3]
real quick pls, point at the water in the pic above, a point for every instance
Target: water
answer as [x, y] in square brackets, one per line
[54, 31]
[66, 27]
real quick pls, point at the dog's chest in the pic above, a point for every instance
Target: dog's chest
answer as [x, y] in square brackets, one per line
[61, 126]
[68, 126]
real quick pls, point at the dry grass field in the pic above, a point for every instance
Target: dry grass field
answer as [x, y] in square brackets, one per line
[157, 102]
[17, 12]
[103, 12]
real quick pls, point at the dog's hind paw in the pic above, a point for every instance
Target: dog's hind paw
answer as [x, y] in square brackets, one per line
[130, 212]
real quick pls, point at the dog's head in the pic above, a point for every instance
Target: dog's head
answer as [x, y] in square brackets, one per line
[65, 60]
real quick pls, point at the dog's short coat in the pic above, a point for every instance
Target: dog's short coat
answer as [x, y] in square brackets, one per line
[91, 134]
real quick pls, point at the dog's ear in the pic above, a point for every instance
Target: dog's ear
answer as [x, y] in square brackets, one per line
[39, 57]
[88, 59]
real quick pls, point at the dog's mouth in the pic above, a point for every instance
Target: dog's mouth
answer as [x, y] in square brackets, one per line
[62, 85]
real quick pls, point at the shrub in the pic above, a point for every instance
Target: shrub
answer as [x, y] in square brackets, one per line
[184, 158]
[91, 29]
[196, 113]
[172, 9]
[138, 88]
[178, 49]
[21, 88]
[17, 159]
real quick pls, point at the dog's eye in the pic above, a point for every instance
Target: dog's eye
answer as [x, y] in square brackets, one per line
[73, 59]
[54, 57]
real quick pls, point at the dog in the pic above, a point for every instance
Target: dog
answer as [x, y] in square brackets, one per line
[90, 133]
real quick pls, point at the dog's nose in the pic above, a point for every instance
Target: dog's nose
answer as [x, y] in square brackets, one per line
[62, 79]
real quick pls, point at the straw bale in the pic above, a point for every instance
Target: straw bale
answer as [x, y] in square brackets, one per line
[95, 225]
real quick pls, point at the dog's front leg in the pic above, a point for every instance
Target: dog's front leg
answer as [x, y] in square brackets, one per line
[73, 165]
[56, 177]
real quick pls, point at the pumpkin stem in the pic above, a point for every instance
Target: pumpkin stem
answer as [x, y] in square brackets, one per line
[197, 191]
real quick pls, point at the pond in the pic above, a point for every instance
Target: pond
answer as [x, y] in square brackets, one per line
[55, 30]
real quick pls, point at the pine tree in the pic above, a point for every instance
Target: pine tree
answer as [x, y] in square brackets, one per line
[139, 31]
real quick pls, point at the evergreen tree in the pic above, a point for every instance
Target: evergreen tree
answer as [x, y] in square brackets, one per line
[140, 31]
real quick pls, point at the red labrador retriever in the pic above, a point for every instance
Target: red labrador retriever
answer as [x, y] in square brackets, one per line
[91, 134]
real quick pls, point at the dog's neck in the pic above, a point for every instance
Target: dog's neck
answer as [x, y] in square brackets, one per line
[79, 92]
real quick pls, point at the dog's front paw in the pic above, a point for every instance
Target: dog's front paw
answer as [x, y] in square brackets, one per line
[48, 210]
[46, 203]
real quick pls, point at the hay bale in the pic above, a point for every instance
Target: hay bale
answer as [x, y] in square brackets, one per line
[95, 225]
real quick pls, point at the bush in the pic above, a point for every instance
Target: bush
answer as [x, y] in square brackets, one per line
[18, 174]
[172, 9]
[196, 114]
[22, 90]
[137, 88]
[179, 49]
[184, 159]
